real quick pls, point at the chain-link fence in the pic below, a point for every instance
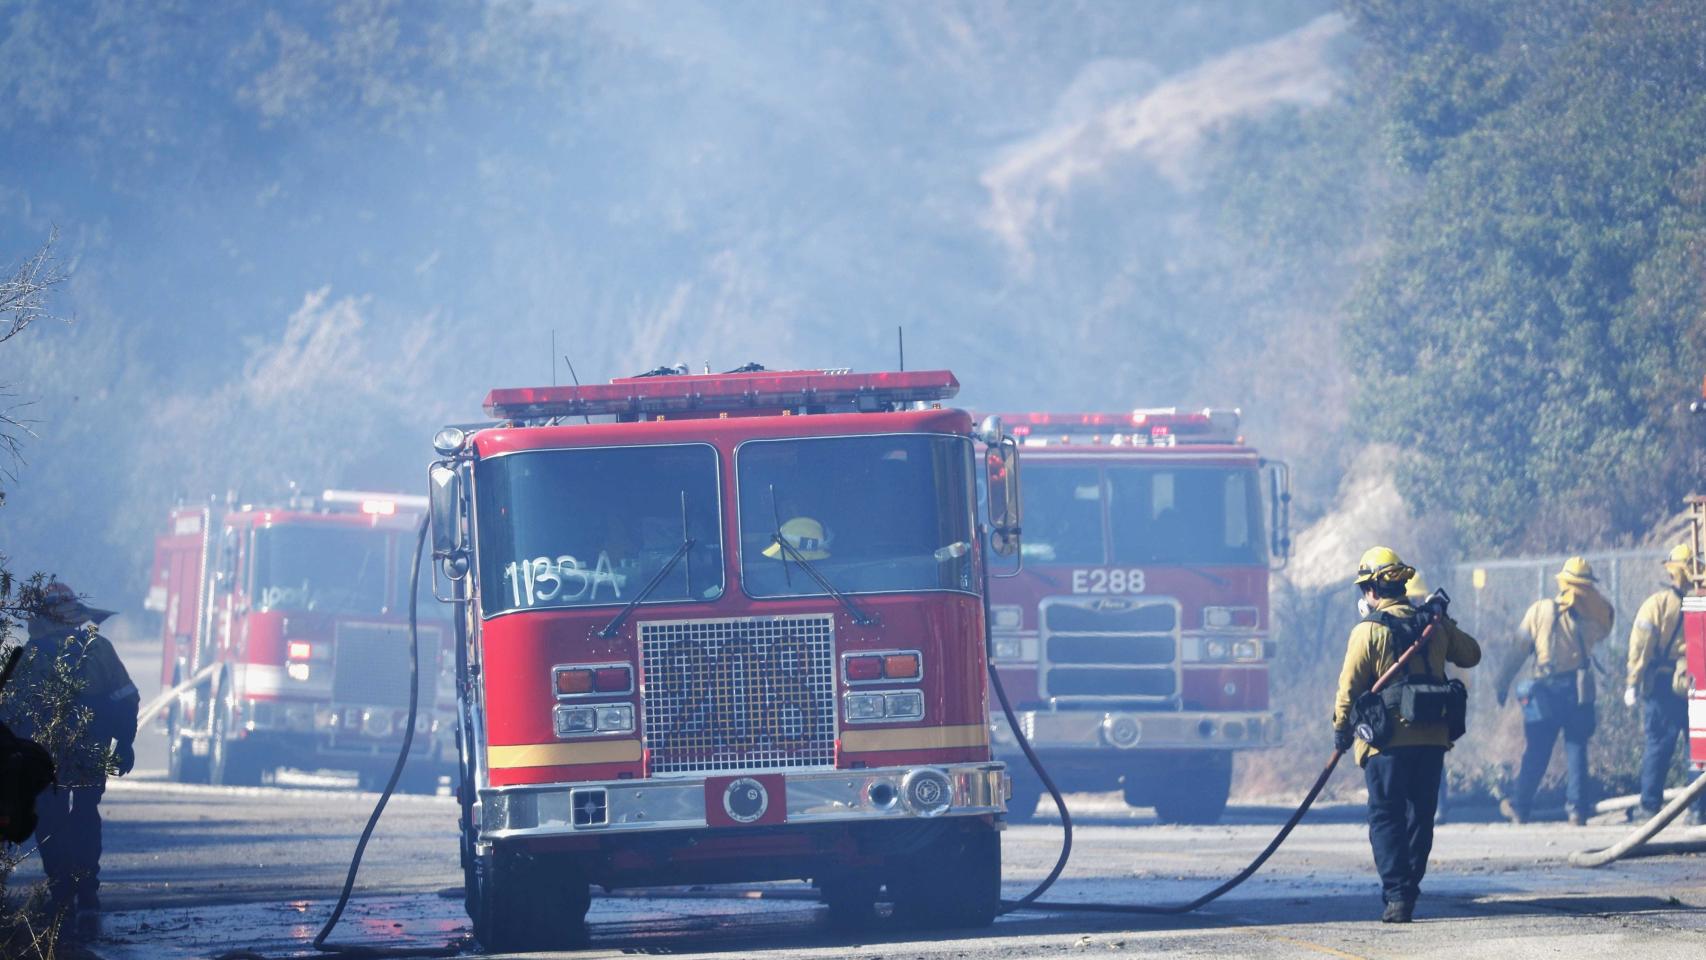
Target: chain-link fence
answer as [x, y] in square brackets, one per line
[1489, 598]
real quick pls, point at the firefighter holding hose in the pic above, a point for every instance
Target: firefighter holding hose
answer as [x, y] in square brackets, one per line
[1658, 681]
[1403, 762]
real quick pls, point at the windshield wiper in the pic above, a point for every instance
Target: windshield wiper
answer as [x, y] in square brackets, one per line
[788, 551]
[622, 615]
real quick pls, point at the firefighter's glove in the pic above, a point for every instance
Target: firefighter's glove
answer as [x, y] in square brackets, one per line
[1342, 739]
[126, 756]
[1628, 696]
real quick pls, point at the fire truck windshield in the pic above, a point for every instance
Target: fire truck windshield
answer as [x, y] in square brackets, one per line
[871, 514]
[590, 527]
[326, 568]
[1086, 515]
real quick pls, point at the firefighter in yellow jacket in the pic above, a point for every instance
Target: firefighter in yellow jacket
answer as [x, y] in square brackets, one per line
[1403, 775]
[1658, 680]
[1559, 632]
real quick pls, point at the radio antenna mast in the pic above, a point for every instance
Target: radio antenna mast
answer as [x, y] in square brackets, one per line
[572, 374]
[900, 337]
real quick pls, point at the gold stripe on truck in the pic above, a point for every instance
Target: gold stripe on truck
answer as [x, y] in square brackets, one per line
[562, 754]
[917, 738]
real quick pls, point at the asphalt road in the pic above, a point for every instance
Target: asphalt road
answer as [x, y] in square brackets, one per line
[197, 871]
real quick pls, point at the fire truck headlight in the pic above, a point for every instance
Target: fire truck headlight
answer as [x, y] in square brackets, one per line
[1215, 650]
[568, 721]
[906, 705]
[1006, 616]
[615, 718]
[1007, 648]
[448, 441]
[296, 670]
[1247, 650]
[864, 707]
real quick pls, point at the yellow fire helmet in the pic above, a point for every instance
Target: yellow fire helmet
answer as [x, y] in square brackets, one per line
[807, 538]
[1576, 572]
[1416, 588]
[1680, 555]
[1382, 564]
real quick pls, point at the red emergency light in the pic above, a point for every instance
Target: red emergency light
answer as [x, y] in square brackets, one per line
[730, 393]
[1155, 426]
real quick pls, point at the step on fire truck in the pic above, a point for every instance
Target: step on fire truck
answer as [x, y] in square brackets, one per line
[1133, 640]
[723, 628]
[288, 627]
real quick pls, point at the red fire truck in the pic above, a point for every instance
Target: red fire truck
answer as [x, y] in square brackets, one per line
[723, 628]
[1134, 638]
[287, 626]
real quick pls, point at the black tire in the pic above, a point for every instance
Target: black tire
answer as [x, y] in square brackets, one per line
[1197, 795]
[521, 903]
[851, 899]
[230, 763]
[953, 883]
[182, 765]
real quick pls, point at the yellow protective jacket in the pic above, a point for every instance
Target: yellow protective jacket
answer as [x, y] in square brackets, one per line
[1656, 639]
[1371, 652]
[1560, 633]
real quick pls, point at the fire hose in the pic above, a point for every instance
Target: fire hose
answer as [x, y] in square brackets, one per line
[1643, 833]
[1032, 901]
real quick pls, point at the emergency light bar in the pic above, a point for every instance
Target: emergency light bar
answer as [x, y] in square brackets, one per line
[377, 504]
[1152, 427]
[725, 393]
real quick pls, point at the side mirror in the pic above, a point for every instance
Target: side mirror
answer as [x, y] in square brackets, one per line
[444, 499]
[1001, 463]
[1279, 512]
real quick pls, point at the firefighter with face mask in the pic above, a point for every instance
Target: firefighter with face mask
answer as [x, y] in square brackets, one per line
[1559, 632]
[1403, 771]
[1658, 681]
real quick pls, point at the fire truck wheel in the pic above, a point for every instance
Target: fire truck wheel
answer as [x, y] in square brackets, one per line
[521, 903]
[1197, 795]
[182, 765]
[228, 763]
[954, 882]
[851, 899]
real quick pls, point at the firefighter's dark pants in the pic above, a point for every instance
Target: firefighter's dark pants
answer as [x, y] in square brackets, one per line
[68, 831]
[1403, 790]
[1664, 717]
[1575, 721]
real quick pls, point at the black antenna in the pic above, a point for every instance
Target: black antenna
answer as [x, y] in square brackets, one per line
[571, 363]
[900, 335]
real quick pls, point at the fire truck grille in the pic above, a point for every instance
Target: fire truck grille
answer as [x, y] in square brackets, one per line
[370, 664]
[1109, 649]
[739, 694]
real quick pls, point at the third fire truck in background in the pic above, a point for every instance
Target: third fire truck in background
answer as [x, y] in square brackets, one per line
[288, 623]
[1134, 640]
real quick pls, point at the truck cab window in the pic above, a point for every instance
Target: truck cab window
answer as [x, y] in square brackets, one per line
[1063, 514]
[326, 568]
[1161, 515]
[872, 514]
[590, 527]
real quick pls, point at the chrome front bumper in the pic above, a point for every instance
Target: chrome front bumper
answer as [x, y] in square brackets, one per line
[811, 797]
[1118, 730]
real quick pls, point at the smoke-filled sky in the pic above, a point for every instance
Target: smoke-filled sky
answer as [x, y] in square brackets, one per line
[300, 237]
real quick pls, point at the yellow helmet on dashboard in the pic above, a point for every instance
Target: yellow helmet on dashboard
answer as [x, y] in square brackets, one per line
[807, 538]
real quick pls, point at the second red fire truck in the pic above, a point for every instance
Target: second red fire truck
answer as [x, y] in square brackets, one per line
[723, 628]
[1134, 639]
[287, 624]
